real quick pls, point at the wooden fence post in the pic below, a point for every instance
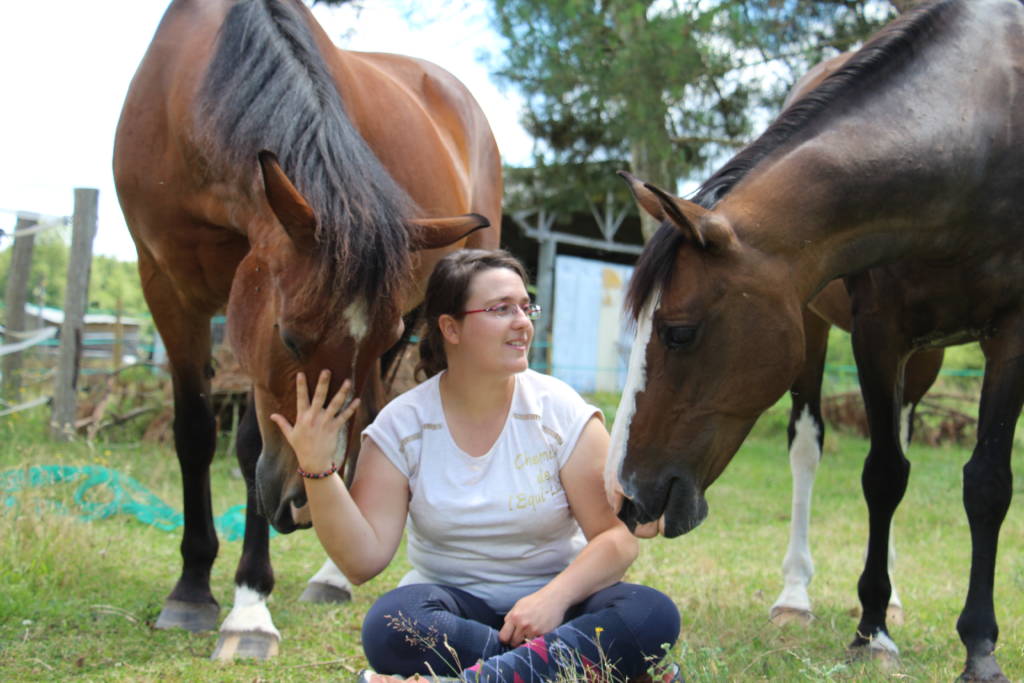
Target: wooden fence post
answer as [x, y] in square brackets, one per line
[15, 298]
[76, 298]
[118, 334]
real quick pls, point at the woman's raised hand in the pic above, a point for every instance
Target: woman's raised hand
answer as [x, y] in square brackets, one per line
[318, 423]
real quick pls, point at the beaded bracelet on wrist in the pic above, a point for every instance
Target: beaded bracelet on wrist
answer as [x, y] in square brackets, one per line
[313, 475]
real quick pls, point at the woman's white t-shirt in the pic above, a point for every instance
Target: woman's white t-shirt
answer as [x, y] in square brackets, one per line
[496, 525]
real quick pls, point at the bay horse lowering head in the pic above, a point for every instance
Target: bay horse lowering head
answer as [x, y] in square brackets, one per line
[299, 302]
[714, 348]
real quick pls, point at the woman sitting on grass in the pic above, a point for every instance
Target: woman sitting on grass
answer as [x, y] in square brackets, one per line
[517, 556]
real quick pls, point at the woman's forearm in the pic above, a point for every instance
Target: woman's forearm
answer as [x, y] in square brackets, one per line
[349, 539]
[601, 563]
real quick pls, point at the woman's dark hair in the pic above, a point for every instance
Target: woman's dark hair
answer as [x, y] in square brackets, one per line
[447, 292]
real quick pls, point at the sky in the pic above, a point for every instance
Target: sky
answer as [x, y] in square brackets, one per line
[65, 66]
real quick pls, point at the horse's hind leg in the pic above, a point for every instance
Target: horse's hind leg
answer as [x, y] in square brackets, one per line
[806, 435]
[920, 372]
[988, 484]
[249, 631]
[884, 478]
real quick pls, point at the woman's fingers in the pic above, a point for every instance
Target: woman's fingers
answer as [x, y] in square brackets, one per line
[348, 412]
[513, 634]
[283, 425]
[322, 385]
[338, 402]
[336, 409]
[301, 392]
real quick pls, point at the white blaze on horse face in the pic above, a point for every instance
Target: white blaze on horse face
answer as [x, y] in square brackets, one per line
[357, 319]
[636, 380]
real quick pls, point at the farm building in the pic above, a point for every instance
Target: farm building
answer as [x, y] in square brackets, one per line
[581, 263]
[100, 336]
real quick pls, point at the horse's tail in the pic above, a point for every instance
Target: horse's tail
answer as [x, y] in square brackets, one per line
[269, 87]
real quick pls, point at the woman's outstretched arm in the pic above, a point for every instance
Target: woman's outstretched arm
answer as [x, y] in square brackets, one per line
[360, 530]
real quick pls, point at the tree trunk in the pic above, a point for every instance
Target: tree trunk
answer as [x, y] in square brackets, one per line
[649, 140]
[649, 171]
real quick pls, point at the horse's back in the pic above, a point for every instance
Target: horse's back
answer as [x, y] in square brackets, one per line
[429, 131]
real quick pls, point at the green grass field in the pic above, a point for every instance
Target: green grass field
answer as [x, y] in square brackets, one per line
[79, 599]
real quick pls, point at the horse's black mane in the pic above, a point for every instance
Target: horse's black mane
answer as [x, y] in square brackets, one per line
[893, 43]
[268, 88]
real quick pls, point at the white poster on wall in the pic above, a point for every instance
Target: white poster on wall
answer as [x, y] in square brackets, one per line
[590, 337]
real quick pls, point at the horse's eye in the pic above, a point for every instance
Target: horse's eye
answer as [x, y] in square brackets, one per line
[292, 343]
[678, 337]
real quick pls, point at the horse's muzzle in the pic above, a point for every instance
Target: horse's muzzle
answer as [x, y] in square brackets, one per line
[278, 498]
[680, 505]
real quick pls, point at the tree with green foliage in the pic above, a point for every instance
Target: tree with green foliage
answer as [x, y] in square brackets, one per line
[666, 86]
[113, 285]
[48, 276]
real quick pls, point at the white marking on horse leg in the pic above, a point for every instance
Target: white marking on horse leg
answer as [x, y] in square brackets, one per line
[798, 565]
[332, 576]
[905, 416]
[883, 644]
[636, 380]
[250, 614]
[357, 319]
[894, 598]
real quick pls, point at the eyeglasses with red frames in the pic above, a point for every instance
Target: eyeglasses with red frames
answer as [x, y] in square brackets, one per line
[506, 310]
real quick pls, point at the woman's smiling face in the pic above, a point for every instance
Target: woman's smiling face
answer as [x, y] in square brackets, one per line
[487, 341]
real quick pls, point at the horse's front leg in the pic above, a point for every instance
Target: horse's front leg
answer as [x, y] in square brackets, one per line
[249, 631]
[988, 486]
[186, 335]
[191, 604]
[884, 478]
[806, 434]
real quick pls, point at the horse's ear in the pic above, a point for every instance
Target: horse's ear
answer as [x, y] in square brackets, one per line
[645, 199]
[707, 229]
[288, 204]
[435, 233]
[684, 215]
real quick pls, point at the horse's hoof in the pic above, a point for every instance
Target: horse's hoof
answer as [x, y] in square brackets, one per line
[191, 616]
[881, 650]
[894, 615]
[780, 616]
[983, 670]
[246, 645]
[318, 591]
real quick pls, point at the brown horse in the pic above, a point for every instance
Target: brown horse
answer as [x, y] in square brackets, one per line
[806, 430]
[903, 165]
[310, 190]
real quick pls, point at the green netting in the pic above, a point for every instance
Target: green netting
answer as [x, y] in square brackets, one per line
[102, 493]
